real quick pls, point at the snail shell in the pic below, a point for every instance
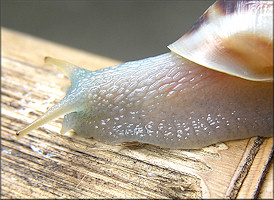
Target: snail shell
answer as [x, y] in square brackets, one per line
[234, 37]
[213, 86]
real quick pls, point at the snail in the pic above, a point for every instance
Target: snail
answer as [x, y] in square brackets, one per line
[215, 85]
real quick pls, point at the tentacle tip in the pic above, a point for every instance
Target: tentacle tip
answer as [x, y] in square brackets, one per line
[63, 131]
[65, 67]
[19, 135]
[49, 60]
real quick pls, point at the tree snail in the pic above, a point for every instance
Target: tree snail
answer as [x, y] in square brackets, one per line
[215, 85]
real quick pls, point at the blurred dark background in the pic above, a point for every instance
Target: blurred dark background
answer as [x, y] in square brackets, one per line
[122, 30]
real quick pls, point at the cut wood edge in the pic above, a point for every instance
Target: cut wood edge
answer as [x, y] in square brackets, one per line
[240, 182]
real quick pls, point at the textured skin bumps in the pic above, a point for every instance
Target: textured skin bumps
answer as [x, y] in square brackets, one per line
[172, 102]
[167, 101]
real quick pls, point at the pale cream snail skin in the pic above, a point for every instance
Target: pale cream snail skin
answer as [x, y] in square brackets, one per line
[215, 85]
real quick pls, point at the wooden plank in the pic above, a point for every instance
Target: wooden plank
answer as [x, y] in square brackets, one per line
[267, 191]
[46, 165]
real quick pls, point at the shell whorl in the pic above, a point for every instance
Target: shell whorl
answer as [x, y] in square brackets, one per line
[234, 37]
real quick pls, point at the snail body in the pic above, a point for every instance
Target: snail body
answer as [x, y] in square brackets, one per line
[171, 100]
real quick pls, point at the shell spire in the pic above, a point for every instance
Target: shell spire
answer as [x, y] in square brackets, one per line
[234, 37]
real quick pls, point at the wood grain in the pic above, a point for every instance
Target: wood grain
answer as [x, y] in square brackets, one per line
[46, 165]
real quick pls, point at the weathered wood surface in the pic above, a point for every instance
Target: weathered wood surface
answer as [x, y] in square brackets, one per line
[46, 165]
